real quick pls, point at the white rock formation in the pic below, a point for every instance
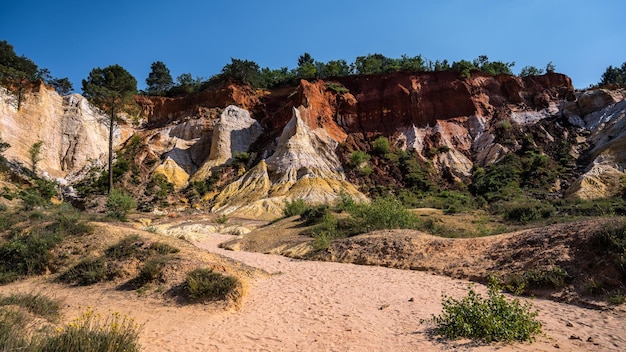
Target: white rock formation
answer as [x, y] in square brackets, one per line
[74, 133]
[303, 166]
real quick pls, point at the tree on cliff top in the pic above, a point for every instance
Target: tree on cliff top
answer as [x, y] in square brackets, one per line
[110, 88]
[159, 80]
[614, 75]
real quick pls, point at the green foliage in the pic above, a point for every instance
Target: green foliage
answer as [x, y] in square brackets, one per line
[337, 88]
[159, 79]
[241, 158]
[163, 248]
[610, 242]
[221, 219]
[36, 304]
[242, 71]
[206, 284]
[35, 155]
[552, 277]
[314, 214]
[489, 319]
[530, 71]
[416, 176]
[383, 213]
[27, 254]
[295, 207]
[120, 204]
[63, 86]
[87, 271]
[529, 210]
[109, 88]
[614, 75]
[381, 146]
[550, 68]
[358, 157]
[90, 333]
[127, 247]
[151, 270]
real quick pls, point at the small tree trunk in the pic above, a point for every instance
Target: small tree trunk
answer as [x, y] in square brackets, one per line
[111, 150]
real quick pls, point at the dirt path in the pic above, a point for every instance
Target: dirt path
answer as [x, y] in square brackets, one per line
[324, 306]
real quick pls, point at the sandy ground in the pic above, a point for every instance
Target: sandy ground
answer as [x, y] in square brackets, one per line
[324, 306]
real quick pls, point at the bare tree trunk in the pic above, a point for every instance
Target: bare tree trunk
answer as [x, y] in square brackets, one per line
[111, 150]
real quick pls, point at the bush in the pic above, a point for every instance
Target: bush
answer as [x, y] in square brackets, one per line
[528, 212]
[487, 319]
[127, 247]
[381, 146]
[163, 248]
[151, 270]
[543, 277]
[610, 243]
[383, 213]
[87, 271]
[28, 254]
[34, 303]
[313, 215]
[120, 204]
[359, 157]
[205, 284]
[89, 333]
[295, 207]
[12, 325]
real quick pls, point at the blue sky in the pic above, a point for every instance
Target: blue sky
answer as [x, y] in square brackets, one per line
[581, 38]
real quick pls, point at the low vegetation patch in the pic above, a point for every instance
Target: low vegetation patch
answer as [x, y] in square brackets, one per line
[208, 285]
[87, 271]
[488, 319]
[91, 332]
[537, 278]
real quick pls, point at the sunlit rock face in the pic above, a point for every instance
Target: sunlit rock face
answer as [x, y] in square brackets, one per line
[233, 133]
[74, 133]
[303, 166]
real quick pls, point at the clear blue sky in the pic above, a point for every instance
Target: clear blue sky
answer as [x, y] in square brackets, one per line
[581, 37]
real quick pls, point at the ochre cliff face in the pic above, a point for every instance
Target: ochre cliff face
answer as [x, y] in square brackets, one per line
[161, 110]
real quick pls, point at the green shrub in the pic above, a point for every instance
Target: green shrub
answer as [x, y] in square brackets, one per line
[313, 215]
[163, 248]
[28, 254]
[610, 242]
[89, 333]
[295, 207]
[489, 319]
[358, 157]
[128, 247]
[241, 158]
[87, 271]
[542, 277]
[337, 88]
[151, 270]
[381, 146]
[120, 204]
[205, 284]
[528, 212]
[221, 219]
[383, 213]
[34, 303]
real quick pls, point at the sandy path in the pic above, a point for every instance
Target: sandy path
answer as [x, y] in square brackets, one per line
[321, 306]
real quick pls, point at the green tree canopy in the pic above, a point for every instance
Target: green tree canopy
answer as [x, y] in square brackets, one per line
[159, 80]
[614, 75]
[243, 71]
[530, 71]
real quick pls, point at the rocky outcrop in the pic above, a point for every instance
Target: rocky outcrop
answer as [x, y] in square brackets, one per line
[160, 111]
[233, 133]
[603, 114]
[303, 166]
[74, 133]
